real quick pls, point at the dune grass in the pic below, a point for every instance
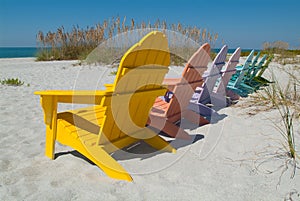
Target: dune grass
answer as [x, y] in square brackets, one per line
[280, 50]
[283, 54]
[79, 42]
[286, 100]
[284, 97]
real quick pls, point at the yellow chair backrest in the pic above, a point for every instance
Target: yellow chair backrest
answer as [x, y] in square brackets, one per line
[138, 82]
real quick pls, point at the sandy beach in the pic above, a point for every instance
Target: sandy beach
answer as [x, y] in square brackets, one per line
[239, 157]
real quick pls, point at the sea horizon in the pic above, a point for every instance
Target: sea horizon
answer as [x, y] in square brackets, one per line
[21, 52]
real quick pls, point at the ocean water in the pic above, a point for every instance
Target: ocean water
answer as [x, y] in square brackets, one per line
[16, 52]
[230, 51]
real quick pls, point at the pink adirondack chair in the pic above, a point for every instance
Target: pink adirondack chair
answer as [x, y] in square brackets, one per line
[164, 115]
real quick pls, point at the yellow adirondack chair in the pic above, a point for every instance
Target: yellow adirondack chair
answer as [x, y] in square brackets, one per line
[119, 113]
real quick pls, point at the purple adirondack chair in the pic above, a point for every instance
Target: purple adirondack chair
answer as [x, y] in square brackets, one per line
[213, 95]
[227, 73]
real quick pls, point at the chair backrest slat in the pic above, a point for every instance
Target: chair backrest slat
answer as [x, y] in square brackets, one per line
[213, 74]
[265, 66]
[229, 70]
[191, 78]
[243, 70]
[137, 84]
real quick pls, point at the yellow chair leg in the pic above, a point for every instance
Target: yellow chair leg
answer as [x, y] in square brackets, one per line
[50, 142]
[49, 105]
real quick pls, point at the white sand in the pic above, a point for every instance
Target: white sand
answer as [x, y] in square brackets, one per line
[232, 162]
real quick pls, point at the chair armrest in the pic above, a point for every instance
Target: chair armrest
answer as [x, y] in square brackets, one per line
[71, 96]
[50, 99]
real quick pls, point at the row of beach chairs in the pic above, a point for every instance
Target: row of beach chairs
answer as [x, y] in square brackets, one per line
[141, 101]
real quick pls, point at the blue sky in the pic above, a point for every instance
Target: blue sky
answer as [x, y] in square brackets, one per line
[238, 22]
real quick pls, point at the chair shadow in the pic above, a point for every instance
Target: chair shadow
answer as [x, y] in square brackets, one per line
[212, 114]
[73, 153]
[140, 150]
[216, 117]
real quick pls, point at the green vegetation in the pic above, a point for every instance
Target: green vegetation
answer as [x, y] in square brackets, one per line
[78, 43]
[286, 100]
[12, 82]
[282, 54]
[280, 51]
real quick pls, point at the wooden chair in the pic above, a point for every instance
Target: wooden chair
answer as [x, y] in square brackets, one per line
[235, 85]
[248, 84]
[118, 115]
[216, 94]
[165, 114]
[211, 77]
[258, 80]
[227, 73]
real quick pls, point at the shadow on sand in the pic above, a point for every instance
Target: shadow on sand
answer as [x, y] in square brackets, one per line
[140, 149]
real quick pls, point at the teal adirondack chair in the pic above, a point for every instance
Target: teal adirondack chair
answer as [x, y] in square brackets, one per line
[258, 78]
[236, 84]
[251, 67]
[250, 78]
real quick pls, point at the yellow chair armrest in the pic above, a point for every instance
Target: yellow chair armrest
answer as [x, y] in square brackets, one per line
[71, 96]
[50, 99]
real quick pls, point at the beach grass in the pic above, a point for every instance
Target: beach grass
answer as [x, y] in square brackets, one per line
[78, 43]
[280, 51]
[283, 97]
[286, 100]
